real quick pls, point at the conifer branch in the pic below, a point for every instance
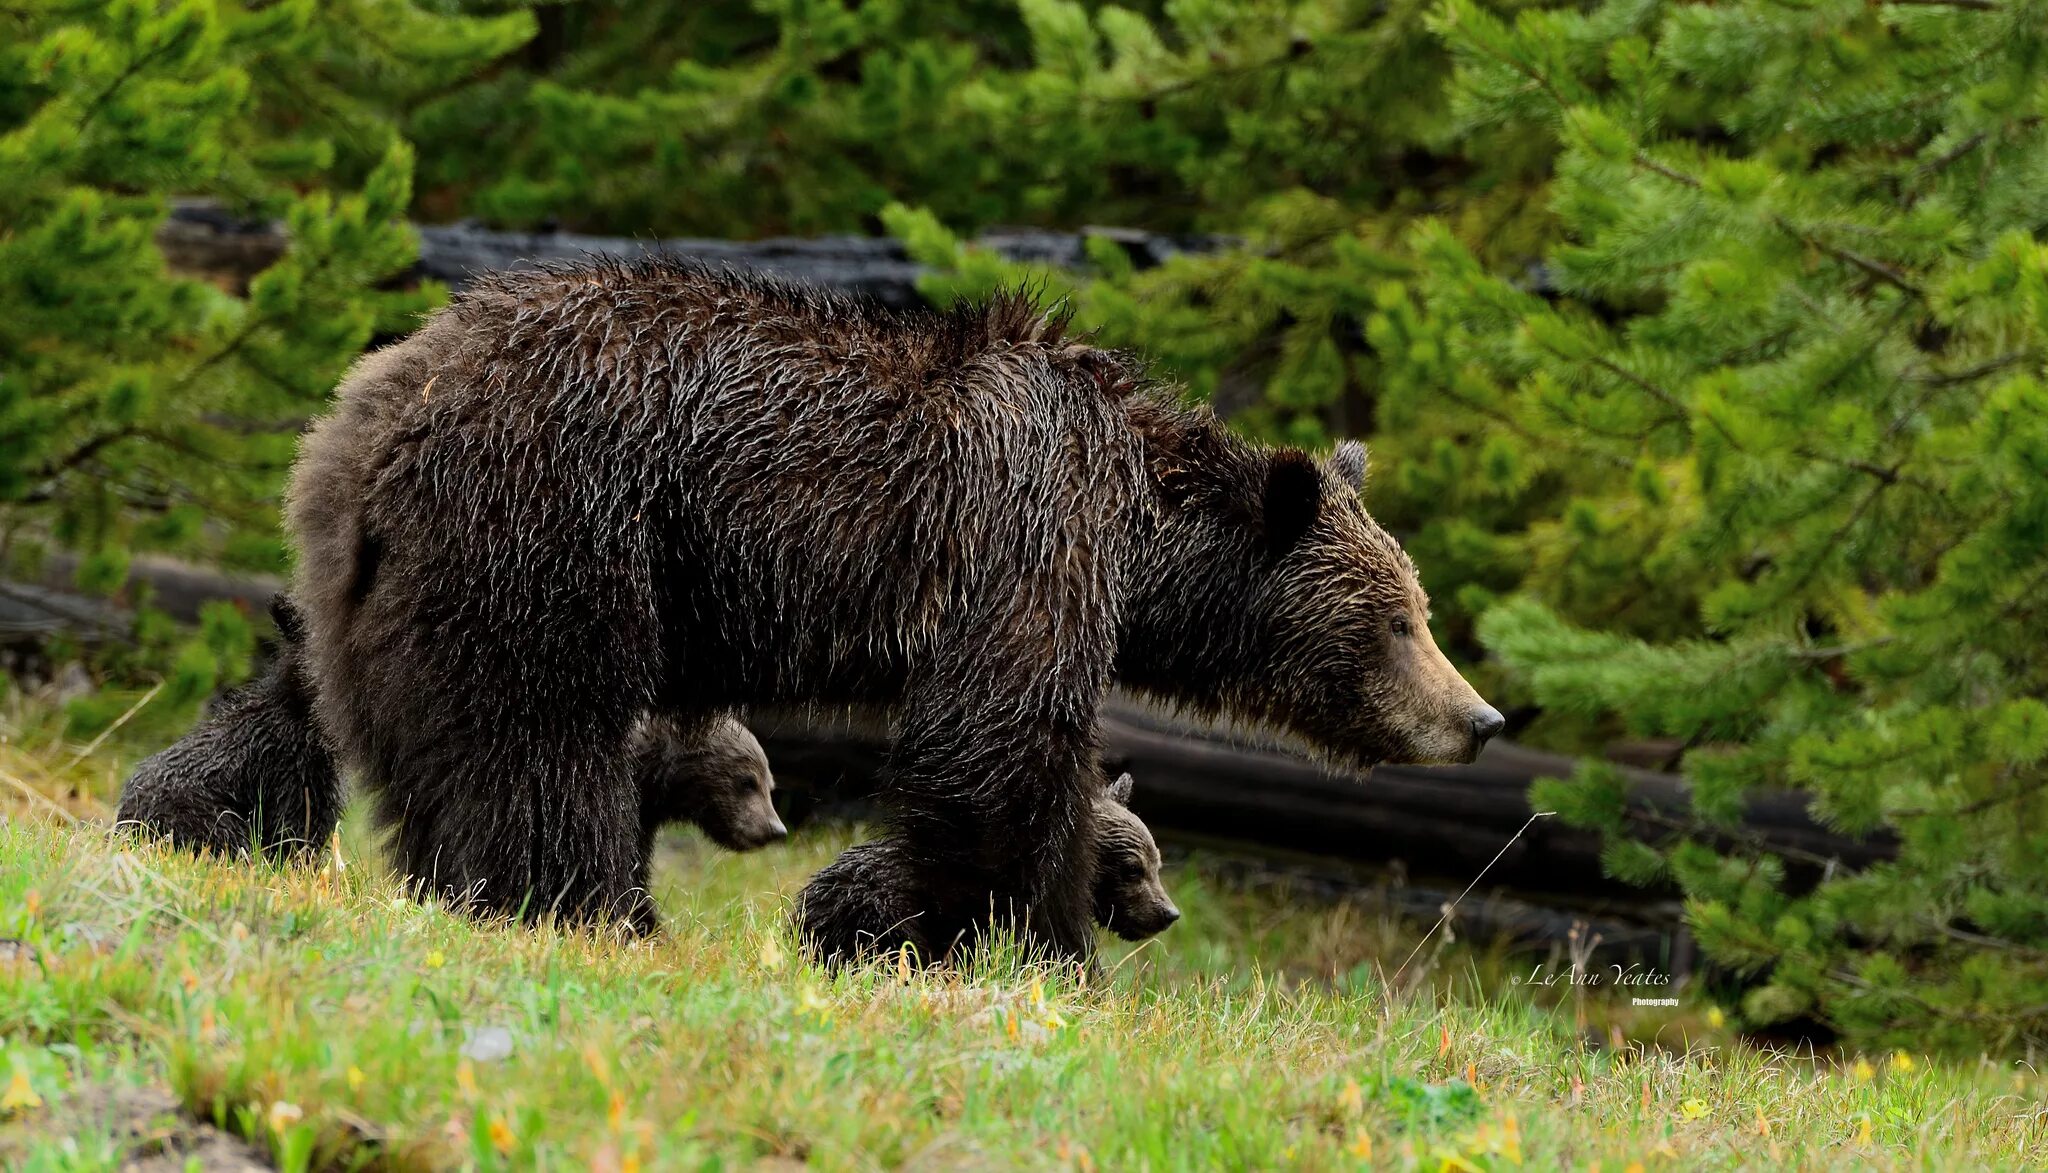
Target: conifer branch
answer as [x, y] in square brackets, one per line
[1971, 374]
[1750, 839]
[1645, 161]
[1948, 158]
[1967, 5]
[135, 65]
[1877, 269]
[1888, 476]
[2009, 794]
[1835, 539]
[76, 457]
[1511, 424]
[1837, 651]
[1970, 938]
[1643, 384]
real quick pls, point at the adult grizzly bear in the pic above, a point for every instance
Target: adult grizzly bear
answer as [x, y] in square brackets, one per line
[585, 493]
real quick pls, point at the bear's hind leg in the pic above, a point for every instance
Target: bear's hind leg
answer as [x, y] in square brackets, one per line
[537, 824]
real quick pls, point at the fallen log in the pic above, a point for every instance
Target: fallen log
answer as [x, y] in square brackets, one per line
[1418, 833]
[202, 239]
[1437, 826]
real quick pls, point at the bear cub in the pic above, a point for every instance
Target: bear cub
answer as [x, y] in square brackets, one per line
[254, 774]
[257, 775]
[840, 909]
[720, 782]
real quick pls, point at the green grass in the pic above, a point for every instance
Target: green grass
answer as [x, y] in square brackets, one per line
[324, 1016]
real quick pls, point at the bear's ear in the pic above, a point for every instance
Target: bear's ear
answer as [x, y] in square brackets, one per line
[285, 614]
[1349, 463]
[1120, 790]
[1294, 493]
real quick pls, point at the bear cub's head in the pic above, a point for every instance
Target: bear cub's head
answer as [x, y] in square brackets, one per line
[720, 781]
[1130, 899]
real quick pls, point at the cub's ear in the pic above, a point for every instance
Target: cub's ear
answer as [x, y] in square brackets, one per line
[285, 614]
[1294, 493]
[1349, 462]
[1120, 790]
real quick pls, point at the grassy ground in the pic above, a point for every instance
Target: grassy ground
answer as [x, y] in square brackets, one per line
[331, 1021]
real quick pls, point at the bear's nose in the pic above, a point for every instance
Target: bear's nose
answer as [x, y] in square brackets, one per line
[1486, 721]
[1172, 913]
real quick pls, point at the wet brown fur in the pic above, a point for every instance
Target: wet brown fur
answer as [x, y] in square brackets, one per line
[857, 907]
[585, 494]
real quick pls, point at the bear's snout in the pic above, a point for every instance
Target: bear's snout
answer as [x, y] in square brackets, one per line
[1486, 722]
[772, 831]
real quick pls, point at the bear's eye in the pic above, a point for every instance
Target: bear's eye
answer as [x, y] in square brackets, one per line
[1399, 625]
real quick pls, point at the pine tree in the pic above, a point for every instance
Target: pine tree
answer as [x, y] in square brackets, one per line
[1786, 406]
[1750, 459]
[142, 411]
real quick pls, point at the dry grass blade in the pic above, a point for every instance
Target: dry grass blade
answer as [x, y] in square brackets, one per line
[1453, 905]
[37, 796]
[93, 746]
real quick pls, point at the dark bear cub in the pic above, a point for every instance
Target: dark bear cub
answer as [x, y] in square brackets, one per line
[255, 774]
[855, 906]
[720, 781]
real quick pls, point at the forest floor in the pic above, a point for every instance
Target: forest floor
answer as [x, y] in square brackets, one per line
[176, 1013]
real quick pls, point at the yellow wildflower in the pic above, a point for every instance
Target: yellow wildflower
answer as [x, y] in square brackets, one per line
[615, 1113]
[594, 1059]
[1863, 1071]
[771, 954]
[1863, 1132]
[1694, 1109]
[20, 1097]
[435, 960]
[465, 1078]
[1715, 1018]
[1901, 1062]
[1360, 1146]
[1352, 1098]
[283, 1115]
[502, 1136]
[356, 1078]
[815, 1003]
